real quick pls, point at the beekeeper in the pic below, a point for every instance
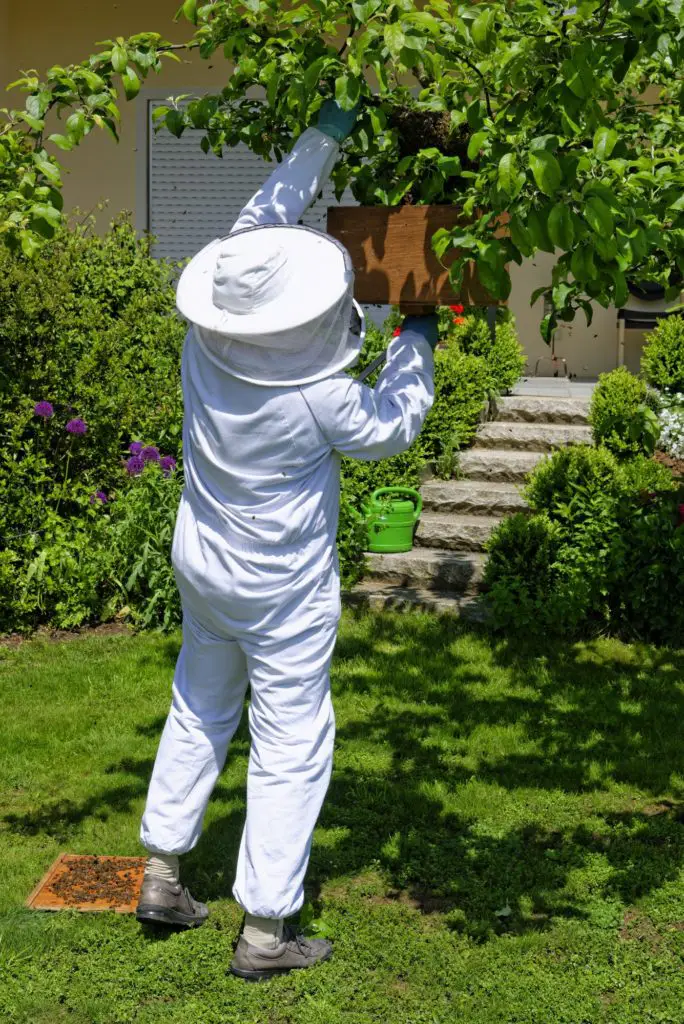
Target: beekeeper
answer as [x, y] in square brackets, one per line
[269, 411]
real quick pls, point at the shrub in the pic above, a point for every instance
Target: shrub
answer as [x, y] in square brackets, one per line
[562, 483]
[519, 573]
[621, 417]
[468, 367]
[617, 558]
[662, 361]
[87, 334]
[504, 356]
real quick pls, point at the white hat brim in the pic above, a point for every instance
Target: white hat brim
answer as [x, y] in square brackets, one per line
[319, 270]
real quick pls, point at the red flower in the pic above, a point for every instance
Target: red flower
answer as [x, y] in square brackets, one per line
[458, 308]
[396, 332]
[458, 320]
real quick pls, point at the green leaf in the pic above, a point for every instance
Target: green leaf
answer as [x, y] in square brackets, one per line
[560, 227]
[482, 31]
[494, 278]
[548, 326]
[131, 83]
[47, 169]
[395, 39]
[441, 242]
[364, 11]
[63, 141]
[582, 264]
[449, 166]
[119, 59]
[521, 236]
[190, 11]
[605, 141]
[537, 227]
[175, 122]
[76, 125]
[578, 77]
[546, 171]
[475, 145]
[510, 178]
[33, 122]
[29, 244]
[347, 91]
[598, 216]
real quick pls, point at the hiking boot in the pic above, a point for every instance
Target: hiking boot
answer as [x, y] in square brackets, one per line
[294, 953]
[162, 902]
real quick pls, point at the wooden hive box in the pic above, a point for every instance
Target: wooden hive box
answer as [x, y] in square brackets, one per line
[391, 251]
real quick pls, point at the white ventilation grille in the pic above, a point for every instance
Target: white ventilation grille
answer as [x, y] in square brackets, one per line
[195, 197]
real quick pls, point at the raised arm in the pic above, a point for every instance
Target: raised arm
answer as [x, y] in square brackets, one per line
[376, 423]
[294, 184]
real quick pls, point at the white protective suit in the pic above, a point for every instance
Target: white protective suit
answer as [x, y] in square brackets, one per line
[255, 559]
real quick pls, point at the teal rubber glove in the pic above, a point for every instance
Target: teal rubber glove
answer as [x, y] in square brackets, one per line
[425, 326]
[338, 124]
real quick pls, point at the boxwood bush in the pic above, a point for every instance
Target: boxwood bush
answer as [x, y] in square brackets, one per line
[662, 361]
[623, 414]
[603, 550]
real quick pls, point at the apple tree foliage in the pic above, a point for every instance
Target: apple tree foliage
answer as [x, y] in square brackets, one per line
[566, 119]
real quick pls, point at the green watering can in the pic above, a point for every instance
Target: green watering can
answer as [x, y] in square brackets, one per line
[391, 521]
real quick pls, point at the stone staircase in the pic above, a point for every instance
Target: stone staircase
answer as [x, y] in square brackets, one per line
[444, 571]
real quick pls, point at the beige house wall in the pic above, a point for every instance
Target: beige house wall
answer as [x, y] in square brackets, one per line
[43, 33]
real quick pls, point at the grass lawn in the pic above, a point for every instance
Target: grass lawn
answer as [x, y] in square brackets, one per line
[502, 841]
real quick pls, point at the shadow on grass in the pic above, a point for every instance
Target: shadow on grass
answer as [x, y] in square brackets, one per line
[433, 696]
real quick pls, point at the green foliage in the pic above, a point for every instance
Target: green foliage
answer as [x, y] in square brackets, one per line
[662, 361]
[621, 417]
[87, 325]
[143, 522]
[530, 110]
[469, 367]
[602, 551]
[525, 109]
[86, 95]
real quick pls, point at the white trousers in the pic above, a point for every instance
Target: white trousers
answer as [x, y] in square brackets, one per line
[292, 727]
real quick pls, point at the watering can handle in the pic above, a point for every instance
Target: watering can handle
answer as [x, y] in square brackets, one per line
[409, 491]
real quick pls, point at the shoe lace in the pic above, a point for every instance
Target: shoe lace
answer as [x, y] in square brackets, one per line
[300, 940]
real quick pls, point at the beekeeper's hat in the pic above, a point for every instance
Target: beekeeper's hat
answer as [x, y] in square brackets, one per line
[273, 304]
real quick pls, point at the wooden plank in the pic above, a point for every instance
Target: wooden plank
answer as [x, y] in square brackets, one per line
[391, 251]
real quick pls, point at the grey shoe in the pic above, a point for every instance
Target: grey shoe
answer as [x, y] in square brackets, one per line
[162, 902]
[294, 953]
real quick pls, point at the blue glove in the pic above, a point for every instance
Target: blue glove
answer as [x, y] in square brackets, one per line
[335, 122]
[425, 326]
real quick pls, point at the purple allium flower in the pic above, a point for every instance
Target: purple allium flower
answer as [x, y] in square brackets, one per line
[44, 410]
[135, 465]
[150, 453]
[99, 496]
[135, 447]
[77, 426]
[168, 464]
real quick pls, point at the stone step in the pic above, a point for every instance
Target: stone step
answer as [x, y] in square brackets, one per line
[472, 497]
[531, 437]
[455, 532]
[492, 464]
[428, 569]
[531, 409]
[381, 598]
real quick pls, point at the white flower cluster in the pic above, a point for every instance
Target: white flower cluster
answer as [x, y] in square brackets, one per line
[672, 424]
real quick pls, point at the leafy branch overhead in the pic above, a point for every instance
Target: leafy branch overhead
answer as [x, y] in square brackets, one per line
[566, 119]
